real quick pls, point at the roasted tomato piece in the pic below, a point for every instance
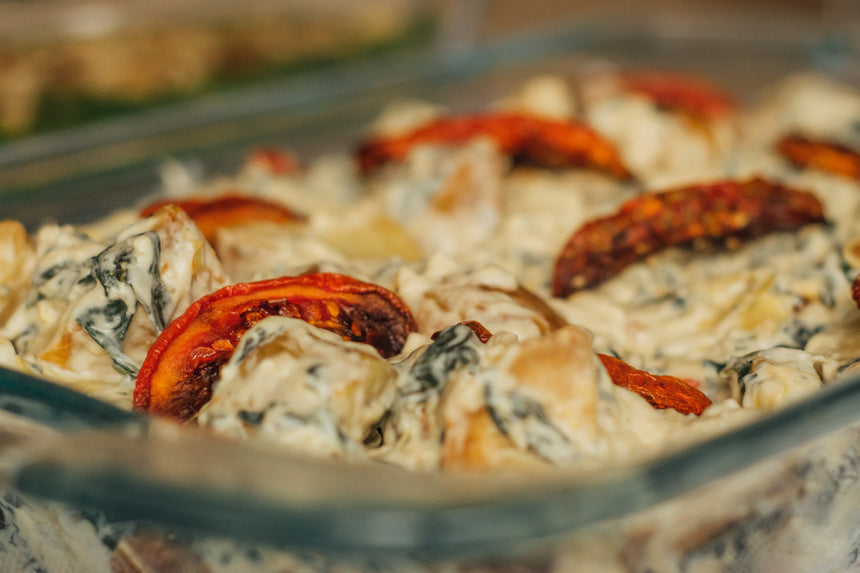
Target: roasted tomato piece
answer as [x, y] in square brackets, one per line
[818, 154]
[529, 140]
[855, 291]
[176, 377]
[660, 391]
[651, 222]
[679, 92]
[227, 210]
[480, 331]
[275, 161]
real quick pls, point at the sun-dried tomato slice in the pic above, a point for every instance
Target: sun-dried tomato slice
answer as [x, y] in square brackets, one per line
[479, 329]
[818, 154]
[652, 222]
[679, 92]
[529, 140]
[176, 377]
[660, 391]
[855, 290]
[227, 210]
[274, 160]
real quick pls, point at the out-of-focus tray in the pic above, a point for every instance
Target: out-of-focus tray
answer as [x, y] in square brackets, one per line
[68, 62]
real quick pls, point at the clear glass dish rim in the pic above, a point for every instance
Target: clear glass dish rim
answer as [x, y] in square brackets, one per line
[114, 467]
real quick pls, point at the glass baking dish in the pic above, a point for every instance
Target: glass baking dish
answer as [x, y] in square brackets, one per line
[745, 500]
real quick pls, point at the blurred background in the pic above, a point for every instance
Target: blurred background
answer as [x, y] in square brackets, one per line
[64, 62]
[507, 16]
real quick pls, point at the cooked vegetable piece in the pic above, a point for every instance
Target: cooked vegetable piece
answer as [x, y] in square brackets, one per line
[452, 349]
[660, 391]
[226, 210]
[17, 254]
[679, 92]
[177, 375]
[128, 275]
[529, 140]
[819, 154]
[482, 333]
[652, 222]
